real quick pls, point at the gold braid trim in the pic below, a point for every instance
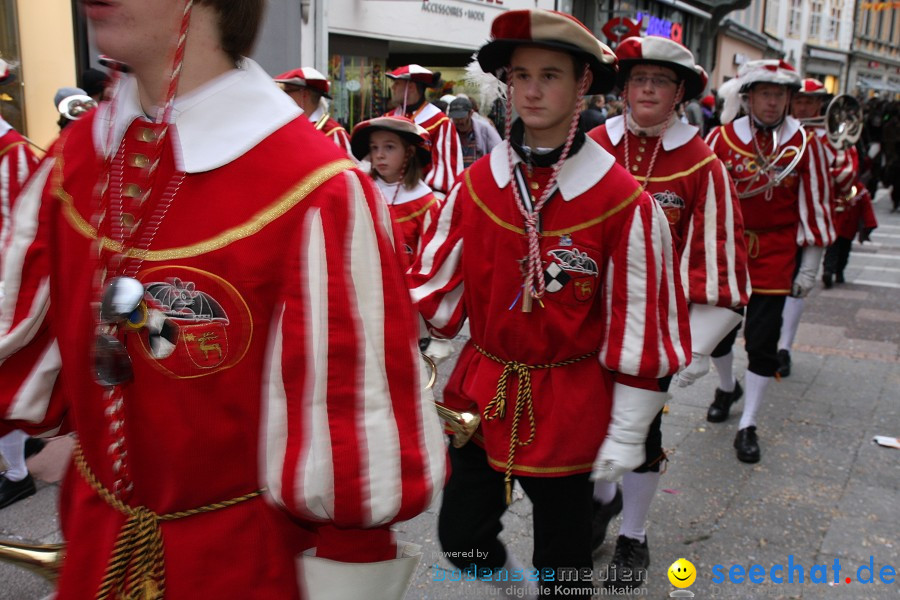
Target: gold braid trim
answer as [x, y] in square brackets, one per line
[136, 569]
[524, 402]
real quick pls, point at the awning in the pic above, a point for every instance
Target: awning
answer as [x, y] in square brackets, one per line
[871, 83]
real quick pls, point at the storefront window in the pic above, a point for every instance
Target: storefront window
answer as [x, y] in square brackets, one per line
[11, 104]
[358, 89]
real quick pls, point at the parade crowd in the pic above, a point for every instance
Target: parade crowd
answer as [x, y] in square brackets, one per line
[225, 296]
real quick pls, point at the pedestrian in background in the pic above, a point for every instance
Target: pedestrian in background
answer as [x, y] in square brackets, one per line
[477, 137]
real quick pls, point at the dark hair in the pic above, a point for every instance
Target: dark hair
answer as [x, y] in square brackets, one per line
[239, 24]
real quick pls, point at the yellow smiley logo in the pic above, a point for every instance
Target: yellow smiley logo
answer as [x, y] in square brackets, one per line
[682, 573]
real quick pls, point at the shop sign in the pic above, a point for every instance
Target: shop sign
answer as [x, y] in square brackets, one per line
[663, 28]
[454, 11]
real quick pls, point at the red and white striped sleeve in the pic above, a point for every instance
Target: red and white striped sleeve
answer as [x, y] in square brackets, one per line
[17, 162]
[435, 278]
[446, 157]
[29, 354]
[647, 329]
[714, 259]
[352, 438]
[844, 170]
[816, 227]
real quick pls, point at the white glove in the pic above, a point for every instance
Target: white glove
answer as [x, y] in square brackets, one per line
[698, 367]
[324, 579]
[805, 280]
[623, 449]
[709, 324]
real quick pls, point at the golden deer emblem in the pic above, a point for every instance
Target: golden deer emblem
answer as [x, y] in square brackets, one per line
[207, 348]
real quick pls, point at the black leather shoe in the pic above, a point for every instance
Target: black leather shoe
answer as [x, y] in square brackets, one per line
[747, 445]
[603, 514]
[718, 410]
[628, 568]
[839, 277]
[784, 363]
[33, 446]
[827, 280]
[13, 491]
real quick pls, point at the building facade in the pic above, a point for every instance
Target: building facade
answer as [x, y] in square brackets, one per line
[875, 63]
[817, 36]
[742, 38]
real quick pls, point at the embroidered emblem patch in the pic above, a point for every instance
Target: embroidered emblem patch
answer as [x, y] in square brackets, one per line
[571, 265]
[201, 324]
[671, 203]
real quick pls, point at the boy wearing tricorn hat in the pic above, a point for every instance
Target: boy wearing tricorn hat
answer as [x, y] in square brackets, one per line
[565, 270]
[781, 176]
[311, 91]
[692, 186]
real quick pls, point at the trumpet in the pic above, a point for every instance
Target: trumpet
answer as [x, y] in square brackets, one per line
[44, 559]
[463, 424]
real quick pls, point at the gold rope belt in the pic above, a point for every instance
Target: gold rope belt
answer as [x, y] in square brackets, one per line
[753, 238]
[524, 402]
[136, 569]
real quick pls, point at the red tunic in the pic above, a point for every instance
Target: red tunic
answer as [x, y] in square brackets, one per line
[796, 212]
[693, 188]
[613, 304]
[446, 151]
[290, 361]
[412, 211]
[854, 213]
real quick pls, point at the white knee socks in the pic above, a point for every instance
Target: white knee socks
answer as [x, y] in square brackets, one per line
[12, 448]
[790, 321]
[755, 389]
[725, 369]
[638, 490]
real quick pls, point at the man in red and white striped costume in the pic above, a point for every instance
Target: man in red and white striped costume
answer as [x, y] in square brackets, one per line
[692, 186]
[17, 162]
[781, 175]
[565, 270]
[265, 396]
[408, 95]
[311, 91]
[843, 169]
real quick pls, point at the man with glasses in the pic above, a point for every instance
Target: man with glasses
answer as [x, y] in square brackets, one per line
[781, 176]
[211, 299]
[692, 186]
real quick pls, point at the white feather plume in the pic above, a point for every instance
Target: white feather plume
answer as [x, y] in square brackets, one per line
[489, 87]
[730, 93]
